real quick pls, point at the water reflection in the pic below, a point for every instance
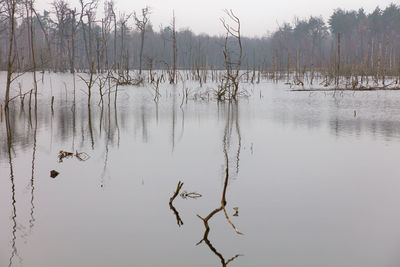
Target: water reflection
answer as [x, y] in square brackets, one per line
[14, 251]
[116, 122]
[173, 120]
[232, 118]
[377, 114]
[231, 115]
[160, 128]
[90, 126]
[32, 182]
[103, 174]
[33, 124]
[311, 113]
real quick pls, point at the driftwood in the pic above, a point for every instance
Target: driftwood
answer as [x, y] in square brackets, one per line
[186, 195]
[126, 79]
[355, 86]
[348, 89]
[63, 155]
[81, 156]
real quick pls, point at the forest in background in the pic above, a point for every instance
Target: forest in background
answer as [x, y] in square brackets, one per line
[69, 39]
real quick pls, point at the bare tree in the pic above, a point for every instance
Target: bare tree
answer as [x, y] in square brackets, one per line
[105, 31]
[89, 11]
[114, 17]
[11, 7]
[74, 25]
[30, 9]
[174, 50]
[61, 10]
[141, 23]
[124, 56]
[232, 61]
[66, 39]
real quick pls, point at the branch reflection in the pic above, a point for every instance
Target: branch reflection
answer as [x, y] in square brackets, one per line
[232, 116]
[14, 251]
[32, 183]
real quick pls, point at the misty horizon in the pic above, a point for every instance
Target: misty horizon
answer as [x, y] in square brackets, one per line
[265, 20]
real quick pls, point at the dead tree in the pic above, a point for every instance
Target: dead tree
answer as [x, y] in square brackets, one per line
[338, 60]
[61, 11]
[74, 24]
[174, 50]
[105, 32]
[141, 24]
[111, 12]
[29, 10]
[45, 32]
[124, 70]
[232, 61]
[11, 7]
[89, 11]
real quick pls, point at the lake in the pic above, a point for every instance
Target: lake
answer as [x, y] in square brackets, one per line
[313, 177]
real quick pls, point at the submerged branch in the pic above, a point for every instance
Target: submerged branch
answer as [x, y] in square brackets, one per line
[171, 206]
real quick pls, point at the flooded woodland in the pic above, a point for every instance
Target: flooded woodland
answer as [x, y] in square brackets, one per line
[313, 175]
[121, 145]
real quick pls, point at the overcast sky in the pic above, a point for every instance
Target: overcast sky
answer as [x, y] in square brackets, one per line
[257, 16]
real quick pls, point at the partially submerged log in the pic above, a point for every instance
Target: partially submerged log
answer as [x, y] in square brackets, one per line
[54, 174]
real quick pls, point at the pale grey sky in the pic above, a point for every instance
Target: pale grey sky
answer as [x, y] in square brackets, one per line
[258, 17]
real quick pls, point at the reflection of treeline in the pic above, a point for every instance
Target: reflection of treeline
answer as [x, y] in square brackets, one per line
[80, 37]
[21, 134]
[60, 128]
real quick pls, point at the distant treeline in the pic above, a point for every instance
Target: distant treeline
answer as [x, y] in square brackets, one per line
[67, 38]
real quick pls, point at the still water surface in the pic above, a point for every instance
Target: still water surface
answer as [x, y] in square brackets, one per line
[315, 178]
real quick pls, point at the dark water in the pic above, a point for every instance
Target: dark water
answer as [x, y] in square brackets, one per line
[315, 177]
